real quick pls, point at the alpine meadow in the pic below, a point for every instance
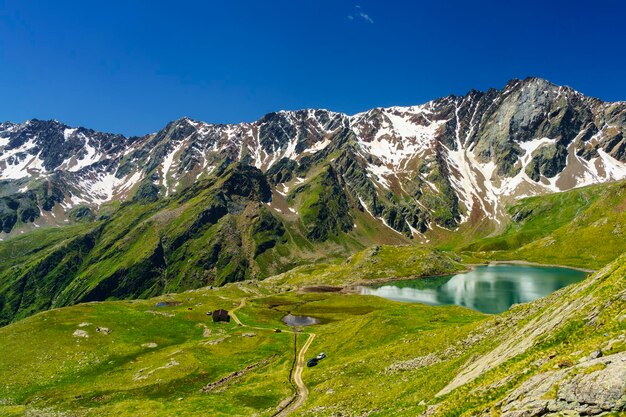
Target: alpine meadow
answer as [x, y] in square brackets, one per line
[461, 257]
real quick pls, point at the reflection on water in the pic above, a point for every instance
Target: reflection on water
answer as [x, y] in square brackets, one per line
[490, 289]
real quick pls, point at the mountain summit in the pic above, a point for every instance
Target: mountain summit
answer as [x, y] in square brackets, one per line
[439, 164]
[199, 204]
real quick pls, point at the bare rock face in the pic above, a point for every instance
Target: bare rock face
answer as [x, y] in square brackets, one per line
[440, 163]
[591, 388]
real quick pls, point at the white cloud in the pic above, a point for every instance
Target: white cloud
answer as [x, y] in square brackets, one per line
[366, 17]
[359, 13]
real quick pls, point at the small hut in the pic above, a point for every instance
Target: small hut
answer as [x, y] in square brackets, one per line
[221, 315]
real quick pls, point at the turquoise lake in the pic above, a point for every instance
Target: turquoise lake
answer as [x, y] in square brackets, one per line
[490, 289]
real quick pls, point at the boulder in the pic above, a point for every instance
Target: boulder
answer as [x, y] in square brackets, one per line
[80, 333]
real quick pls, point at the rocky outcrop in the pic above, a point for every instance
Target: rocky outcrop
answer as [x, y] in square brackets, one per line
[547, 161]
[592, 388]
[25, 207]
[146, 192]
[81, 213]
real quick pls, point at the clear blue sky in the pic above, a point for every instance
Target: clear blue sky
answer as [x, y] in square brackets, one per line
[131, 66]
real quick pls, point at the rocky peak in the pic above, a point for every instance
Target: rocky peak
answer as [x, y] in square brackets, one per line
[469, 153]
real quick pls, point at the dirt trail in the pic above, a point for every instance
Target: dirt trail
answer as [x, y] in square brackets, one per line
[302, 392]
[234, 315]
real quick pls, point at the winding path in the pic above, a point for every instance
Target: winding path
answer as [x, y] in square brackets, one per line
[234, 315]
[302, 392]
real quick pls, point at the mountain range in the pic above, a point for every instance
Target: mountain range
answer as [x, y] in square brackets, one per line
[440, 164]
[115, 251]
[200, 204]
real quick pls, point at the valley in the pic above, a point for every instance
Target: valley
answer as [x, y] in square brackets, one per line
[115, 249]
[157, 360]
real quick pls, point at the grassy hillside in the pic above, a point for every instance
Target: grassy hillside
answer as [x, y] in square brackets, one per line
[159, 358]
[219, 230]
[375, 263]
[584, 227]
[156, 360]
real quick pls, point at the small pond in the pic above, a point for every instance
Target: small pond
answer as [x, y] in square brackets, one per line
[490, 289]
[291, 320]
[168, 303]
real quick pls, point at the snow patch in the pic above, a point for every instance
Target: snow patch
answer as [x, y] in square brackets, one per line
[168, 161]
[615, 170]
[106, 186]
[531, 146]
[379, 172]
[318, 146]
[90, 158]
[68, 132]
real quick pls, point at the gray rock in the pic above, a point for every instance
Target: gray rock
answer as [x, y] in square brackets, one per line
[596, 354]
[103, 330]
[80, 333]
[591, 388]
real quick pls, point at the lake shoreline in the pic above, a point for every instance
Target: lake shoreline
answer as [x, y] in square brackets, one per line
[522, 262]
[488, 288]
[354, 287]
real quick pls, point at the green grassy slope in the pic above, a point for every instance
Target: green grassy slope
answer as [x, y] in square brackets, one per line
[154, 361]
[584, 227]
[38, 266]
[364, 337]
[29, 246]
[375, 263]
[120, 373]
[216, 231]
[447, 360]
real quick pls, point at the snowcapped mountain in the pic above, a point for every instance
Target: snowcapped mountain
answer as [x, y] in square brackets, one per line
[448, 162]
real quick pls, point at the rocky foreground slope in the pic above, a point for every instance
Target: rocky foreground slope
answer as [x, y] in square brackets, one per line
[565, 353]
[450, 161]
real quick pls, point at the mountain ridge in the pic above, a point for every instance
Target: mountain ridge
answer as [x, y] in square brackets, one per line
[467, 152]
[197, 204]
